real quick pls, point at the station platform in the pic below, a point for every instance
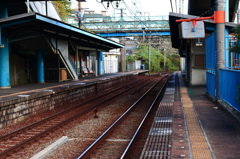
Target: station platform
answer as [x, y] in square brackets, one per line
[15, 91]
[196, 127]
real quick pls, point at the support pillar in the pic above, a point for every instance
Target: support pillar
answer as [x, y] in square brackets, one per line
[3, 10]
[96, 63]
[4, 52]
[40, 67]
[100, 63]
[123, 59]
[220, 39]
[4, 63]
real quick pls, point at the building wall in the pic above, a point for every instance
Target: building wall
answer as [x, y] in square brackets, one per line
[198, 77]
[21, 69]
[198, 64]
[110, 63]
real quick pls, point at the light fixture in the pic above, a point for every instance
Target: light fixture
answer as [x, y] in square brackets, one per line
[198, 43]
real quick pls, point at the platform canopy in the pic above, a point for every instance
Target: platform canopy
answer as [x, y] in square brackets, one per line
[25, 25]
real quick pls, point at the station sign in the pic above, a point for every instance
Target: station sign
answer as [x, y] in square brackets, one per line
[189, 31]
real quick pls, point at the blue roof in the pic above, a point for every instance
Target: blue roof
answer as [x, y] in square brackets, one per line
[30, 17]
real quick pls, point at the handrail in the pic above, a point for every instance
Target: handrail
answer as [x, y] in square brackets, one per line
[72, 63]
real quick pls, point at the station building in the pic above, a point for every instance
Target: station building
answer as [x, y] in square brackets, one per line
[36, 46]
[200, 60]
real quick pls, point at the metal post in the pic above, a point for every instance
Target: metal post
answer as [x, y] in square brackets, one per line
[171, 5]
[46, 8]
[176, 5]
[123, 57]
[220, 29]
[28, 8]
[149, 56]
[182, 6]
[76, 59]
[96, 63]
[238, 12]
[164, 61]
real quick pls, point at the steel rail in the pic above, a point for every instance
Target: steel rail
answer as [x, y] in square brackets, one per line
[57, 114]
[89, 150]
[126, 151]
[22, 144]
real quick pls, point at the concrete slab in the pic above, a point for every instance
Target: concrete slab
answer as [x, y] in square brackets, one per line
[50, 148]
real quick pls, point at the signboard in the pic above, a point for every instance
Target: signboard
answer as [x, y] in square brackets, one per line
[189, 32]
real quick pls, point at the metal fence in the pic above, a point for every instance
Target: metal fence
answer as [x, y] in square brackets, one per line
[210, 64]
[229, 82]
[135, 65]
[211, 86]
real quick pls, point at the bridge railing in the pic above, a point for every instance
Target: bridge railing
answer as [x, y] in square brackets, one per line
[126, 23]
[127, 18]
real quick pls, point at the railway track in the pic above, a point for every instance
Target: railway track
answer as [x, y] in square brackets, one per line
[13, 144]
[117, 140]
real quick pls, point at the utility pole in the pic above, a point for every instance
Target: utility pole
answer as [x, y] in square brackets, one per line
[238, 12]
[121, 12]
[164, 67]
[46, 7]
[149, 55]
[180, 6]
[123, 65]
[171, 5]
[176, 5]
[220, 38]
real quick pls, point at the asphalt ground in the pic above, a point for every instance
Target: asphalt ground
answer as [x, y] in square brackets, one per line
[221, 128]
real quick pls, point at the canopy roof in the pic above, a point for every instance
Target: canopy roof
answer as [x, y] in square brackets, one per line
[33, 23]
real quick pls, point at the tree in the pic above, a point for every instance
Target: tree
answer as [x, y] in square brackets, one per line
[63, 8]
[157, 59]
[235, 47]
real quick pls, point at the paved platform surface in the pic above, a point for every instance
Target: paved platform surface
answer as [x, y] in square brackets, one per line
[221, 129]
[26, 88]
[200, 128]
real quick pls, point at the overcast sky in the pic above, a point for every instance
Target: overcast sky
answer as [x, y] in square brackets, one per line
[152, 7]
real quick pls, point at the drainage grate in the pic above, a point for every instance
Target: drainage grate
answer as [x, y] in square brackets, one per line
[158, 143]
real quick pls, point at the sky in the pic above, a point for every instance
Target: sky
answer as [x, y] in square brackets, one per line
[147, 7]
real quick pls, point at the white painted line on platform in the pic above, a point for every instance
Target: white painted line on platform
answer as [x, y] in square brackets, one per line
[23, 95]
[79, 83]
[50, 148]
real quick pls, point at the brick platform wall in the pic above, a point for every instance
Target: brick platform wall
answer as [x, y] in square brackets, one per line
[21, 107]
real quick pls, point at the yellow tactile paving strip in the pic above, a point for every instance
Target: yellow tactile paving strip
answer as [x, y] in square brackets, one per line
[198, 143]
